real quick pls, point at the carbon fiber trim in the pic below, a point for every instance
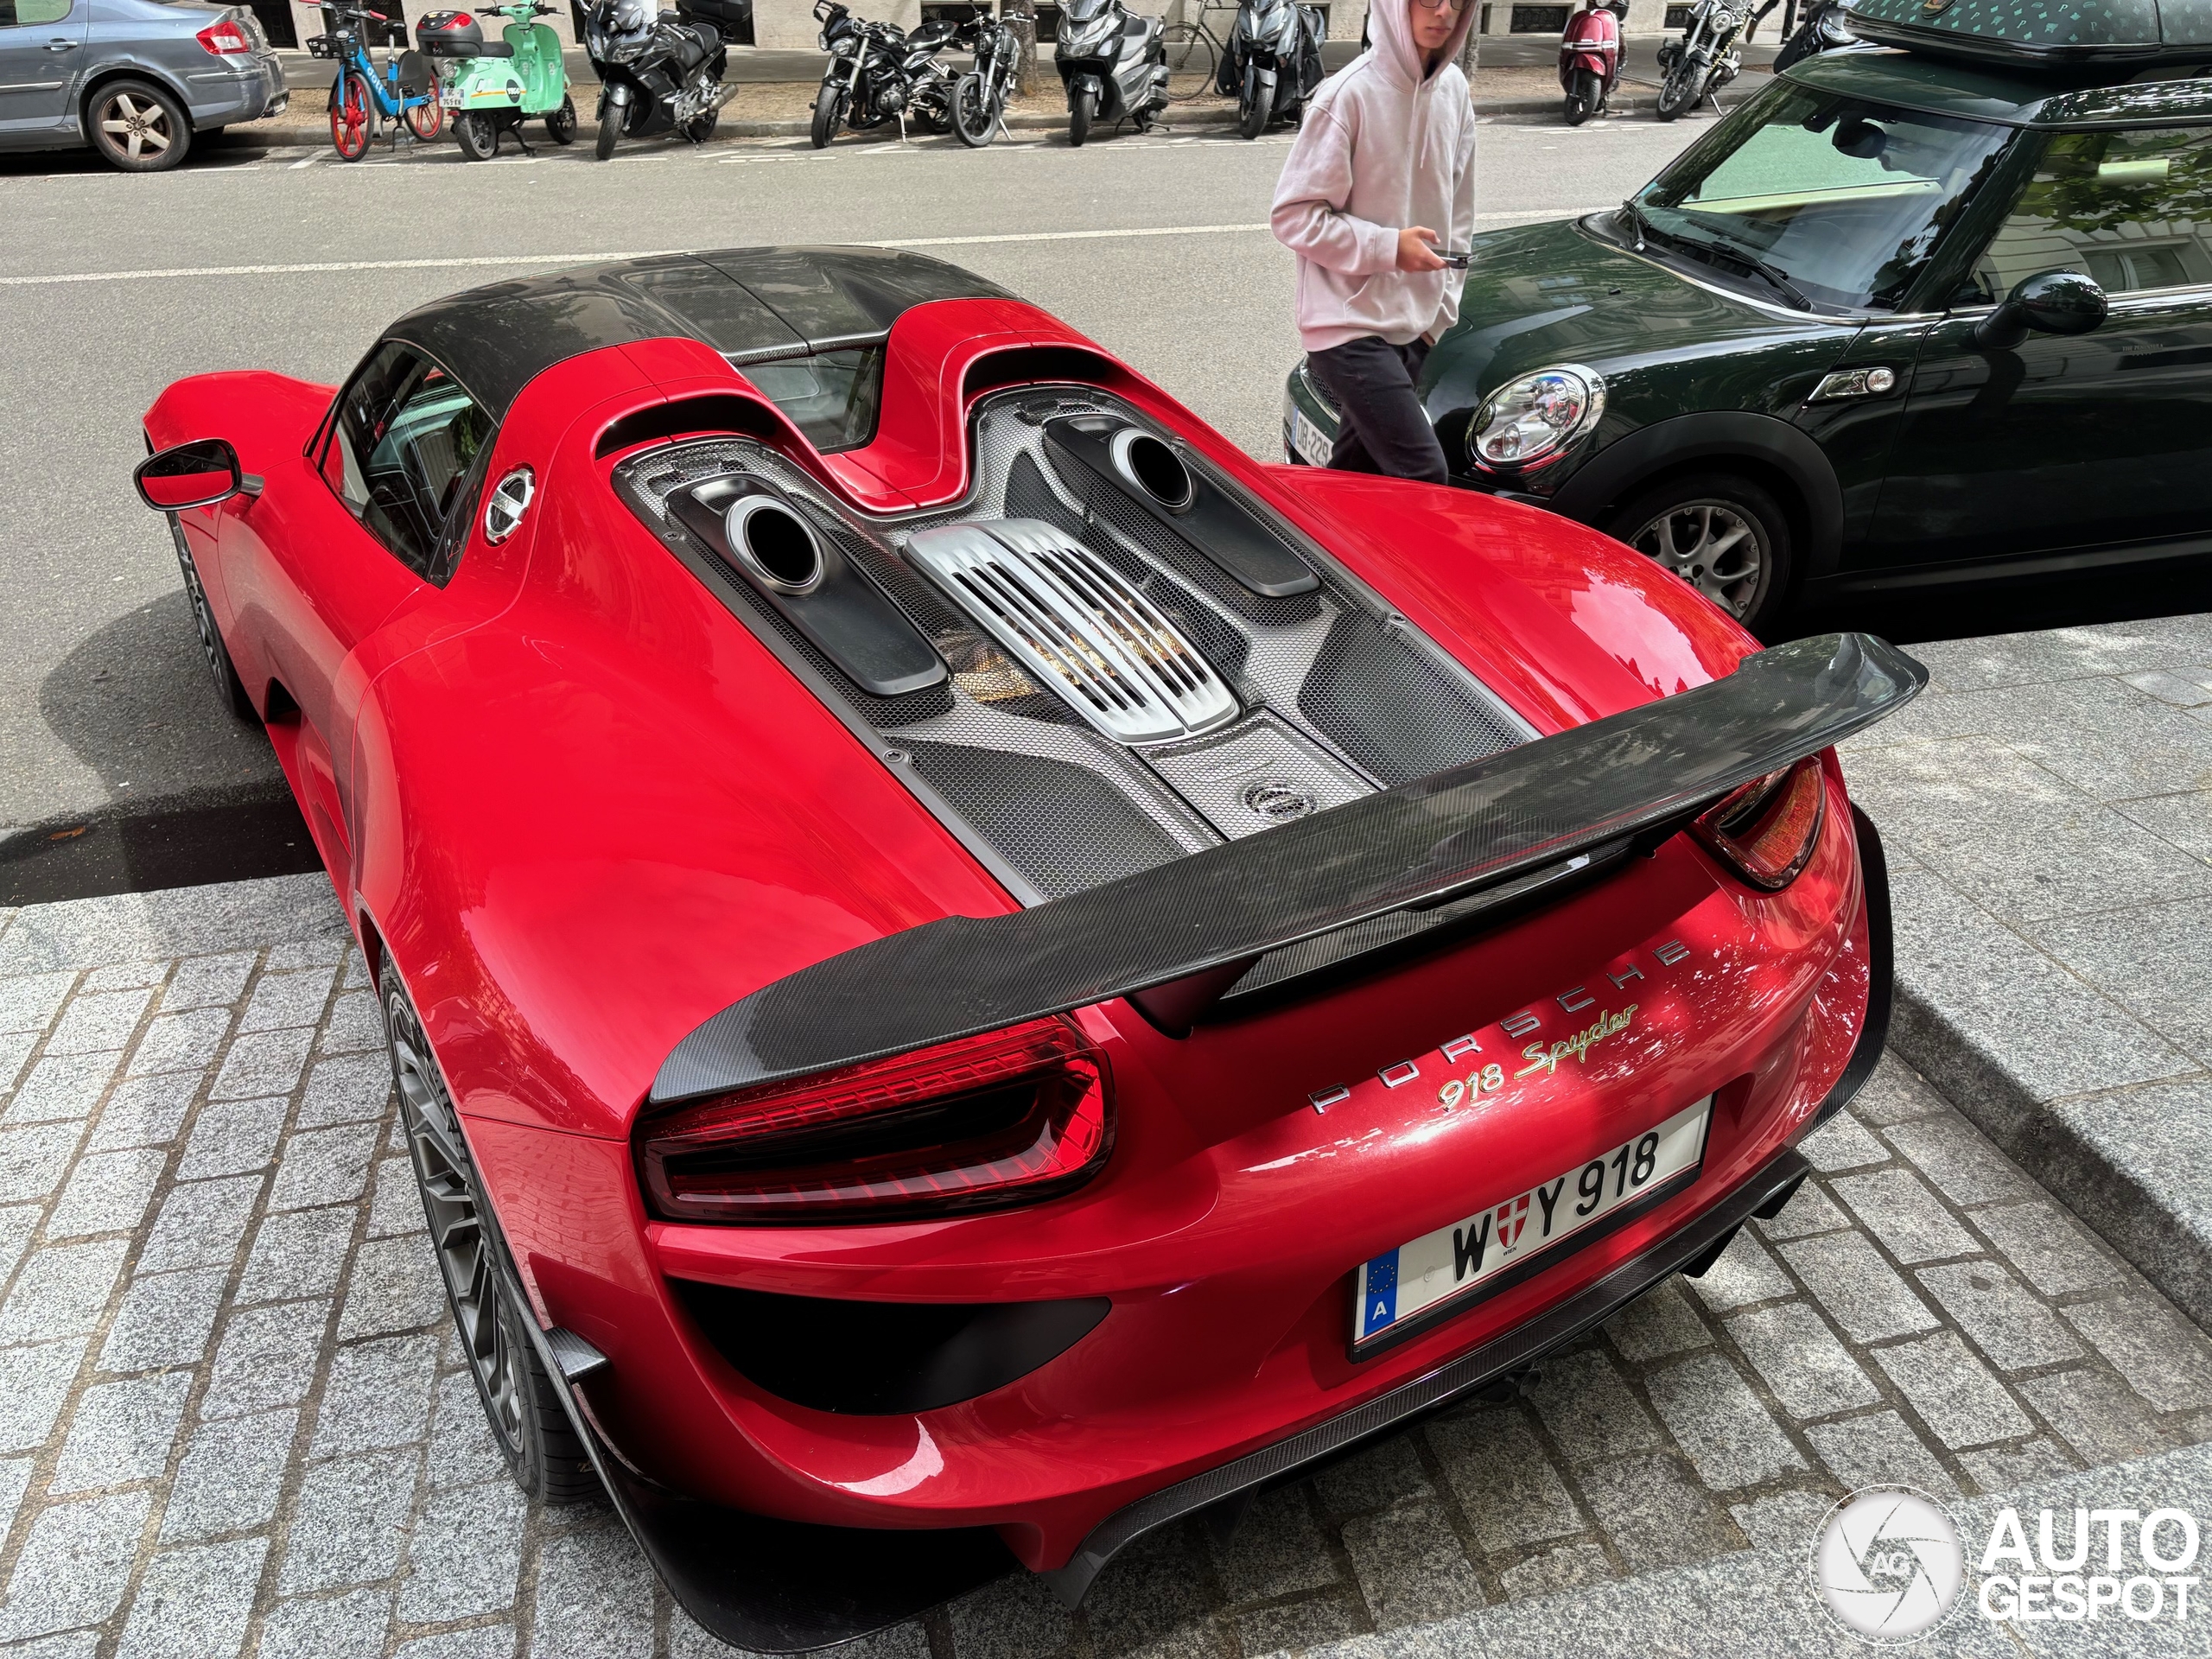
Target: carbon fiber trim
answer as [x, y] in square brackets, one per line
[1423, 843]
[1493, 1360]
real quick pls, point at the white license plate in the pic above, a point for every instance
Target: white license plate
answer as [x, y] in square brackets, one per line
[1463, 1264]
[451, 100]
[1313, 448]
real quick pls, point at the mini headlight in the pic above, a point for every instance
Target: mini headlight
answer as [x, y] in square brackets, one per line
[1536, 416]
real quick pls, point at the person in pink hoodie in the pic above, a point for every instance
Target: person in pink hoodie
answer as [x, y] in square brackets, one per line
[1381, 177]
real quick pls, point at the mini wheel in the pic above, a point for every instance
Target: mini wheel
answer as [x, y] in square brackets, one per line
[1724, 535]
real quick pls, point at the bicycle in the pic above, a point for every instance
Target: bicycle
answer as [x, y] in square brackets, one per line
[363, 97]
[1193, 49]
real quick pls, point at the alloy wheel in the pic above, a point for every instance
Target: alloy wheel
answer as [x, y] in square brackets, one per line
[136, 125]
[1711, 545]
[466, 1252]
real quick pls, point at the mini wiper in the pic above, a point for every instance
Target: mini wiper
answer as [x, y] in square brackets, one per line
[1772, 275]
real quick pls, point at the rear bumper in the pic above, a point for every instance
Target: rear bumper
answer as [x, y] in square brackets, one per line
[222, 96]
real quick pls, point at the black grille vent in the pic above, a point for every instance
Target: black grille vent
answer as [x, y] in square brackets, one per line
[1391, 709]
[1063, 826]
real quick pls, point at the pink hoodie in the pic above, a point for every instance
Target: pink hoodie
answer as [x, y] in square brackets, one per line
[1382, 146]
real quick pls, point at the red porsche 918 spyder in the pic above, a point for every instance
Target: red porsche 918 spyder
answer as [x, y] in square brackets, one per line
[971, 971]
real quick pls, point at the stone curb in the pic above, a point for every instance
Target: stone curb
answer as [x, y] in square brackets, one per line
[2085, 1171]
[292, 137]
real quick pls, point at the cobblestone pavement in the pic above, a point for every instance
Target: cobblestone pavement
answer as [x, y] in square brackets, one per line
[233, 1420]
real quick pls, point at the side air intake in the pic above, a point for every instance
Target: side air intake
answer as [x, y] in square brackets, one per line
[1078, 625]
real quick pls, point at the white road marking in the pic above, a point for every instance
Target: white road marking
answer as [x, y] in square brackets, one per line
[496, 261]
[308, 160]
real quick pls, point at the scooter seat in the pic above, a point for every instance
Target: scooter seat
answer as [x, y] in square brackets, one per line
[433, 47]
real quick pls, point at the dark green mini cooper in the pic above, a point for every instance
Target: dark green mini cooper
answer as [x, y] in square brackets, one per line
[1900, 320]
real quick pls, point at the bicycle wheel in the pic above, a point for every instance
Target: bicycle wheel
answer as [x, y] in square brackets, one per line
[351, 107]
[1190, 51]
[428, 119]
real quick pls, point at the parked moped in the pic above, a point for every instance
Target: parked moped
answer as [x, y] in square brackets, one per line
[1590, 58]
[1273, 62]
[1113, 63]
[491, 87]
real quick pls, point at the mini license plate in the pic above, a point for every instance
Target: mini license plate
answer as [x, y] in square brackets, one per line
[1305, 438]
[1440, 1273]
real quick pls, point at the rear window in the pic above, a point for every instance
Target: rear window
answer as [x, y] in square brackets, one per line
[831, 396]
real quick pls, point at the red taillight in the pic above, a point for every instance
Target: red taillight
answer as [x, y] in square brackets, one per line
[1766, 830]
[1005, 1118]
[225, 39]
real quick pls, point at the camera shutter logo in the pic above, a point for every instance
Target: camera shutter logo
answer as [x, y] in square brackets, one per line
[1887, 1564]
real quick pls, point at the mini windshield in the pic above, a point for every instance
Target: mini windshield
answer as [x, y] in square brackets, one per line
[1818, 197]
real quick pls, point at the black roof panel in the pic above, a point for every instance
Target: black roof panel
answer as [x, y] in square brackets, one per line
[746, 304]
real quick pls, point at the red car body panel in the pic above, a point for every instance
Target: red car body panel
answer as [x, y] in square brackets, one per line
[581, 807]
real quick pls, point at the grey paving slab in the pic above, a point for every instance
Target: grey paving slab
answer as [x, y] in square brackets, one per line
[1550, 1571]
[1589, 1410]
[2138, 1162]
[1804, 1364]
[594, 1597]
[2182, 820]
[2050, 1248]
[230, 1476]
[62, 1291]
[1842, 1143]
[268, 1357]
[188, 1040]
[201, 1223]
[35, 1385]
[395, 1286]
[143, 1112]
[351, 1626]
[2149, 959]
[30, 1002]
[324, 1166]
[73, 1565]
[464, 1554]
[298, 1254]
[232, 1136]
[32, 1159]
[201, 982]
[2100, 1416]
[347, 1089]
[1782, 1521]
[1657, 1323]
[1860, 1291]
[288, 999]
[262, 1063]
[1723, 1428]
[1410, 1566]
[1744, 1273]
[121, 1433]
[1955, 1394]
[2003, 1318]
[195, 1602]
[1879, 1450]
[108, 1193]
[98, 1021]
[1656, 1512]
[350, 1524]
[177, 922]
[1898, 1208]
[1506, 1486]
[2164, 1358]
[62, 1085]
[378, 1395]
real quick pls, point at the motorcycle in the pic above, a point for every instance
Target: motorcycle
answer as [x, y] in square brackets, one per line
[1273, 60]
[1590, 58]
[1824, 29]
[1707, 57]
[660, 72]
[879, 73]
[979, 96]
[491, 87]
[1113, 63]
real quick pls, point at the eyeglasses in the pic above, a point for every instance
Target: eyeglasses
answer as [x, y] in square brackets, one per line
[1438, 5]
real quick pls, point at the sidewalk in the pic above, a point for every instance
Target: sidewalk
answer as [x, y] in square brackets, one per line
[2048, 808]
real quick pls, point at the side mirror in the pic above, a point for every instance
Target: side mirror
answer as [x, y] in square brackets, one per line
[2050, 302]
[195, 474]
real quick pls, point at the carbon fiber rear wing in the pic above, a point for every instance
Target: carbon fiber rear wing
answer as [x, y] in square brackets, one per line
[1437, 840]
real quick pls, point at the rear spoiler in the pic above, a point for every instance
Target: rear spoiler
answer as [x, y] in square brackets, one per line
[1201, 920]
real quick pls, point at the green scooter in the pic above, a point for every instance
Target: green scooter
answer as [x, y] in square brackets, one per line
[491, 87]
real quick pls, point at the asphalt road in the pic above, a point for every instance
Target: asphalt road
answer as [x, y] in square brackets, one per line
[121, 770]
[1154, 246]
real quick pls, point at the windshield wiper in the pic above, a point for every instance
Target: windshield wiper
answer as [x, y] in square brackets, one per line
[1772, 275]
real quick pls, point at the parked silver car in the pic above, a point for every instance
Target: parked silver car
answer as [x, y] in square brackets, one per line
[136, 79]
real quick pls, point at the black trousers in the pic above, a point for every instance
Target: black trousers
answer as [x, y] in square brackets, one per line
[1383, 428]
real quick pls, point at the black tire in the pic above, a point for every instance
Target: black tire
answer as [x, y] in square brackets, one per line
[1251, 105]
[1674, 522]
[561, 125]
[610, 129]
[1677, 94]
[1587, 99]
[228, 686]
[137, 127]
[828, 116]
[1081, 107]
[477, 138]
[521, 1399]
[975, 123]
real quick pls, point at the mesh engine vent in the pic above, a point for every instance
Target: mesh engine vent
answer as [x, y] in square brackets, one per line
[1392, 710]
[1079, 627]
[1063, 826]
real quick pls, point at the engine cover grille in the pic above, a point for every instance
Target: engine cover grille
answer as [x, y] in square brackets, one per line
[1079, 627]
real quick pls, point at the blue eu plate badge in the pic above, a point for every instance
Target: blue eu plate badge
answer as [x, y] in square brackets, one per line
[1378, 1293]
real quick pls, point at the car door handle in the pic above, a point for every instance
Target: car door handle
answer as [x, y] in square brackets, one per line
[62, 46]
